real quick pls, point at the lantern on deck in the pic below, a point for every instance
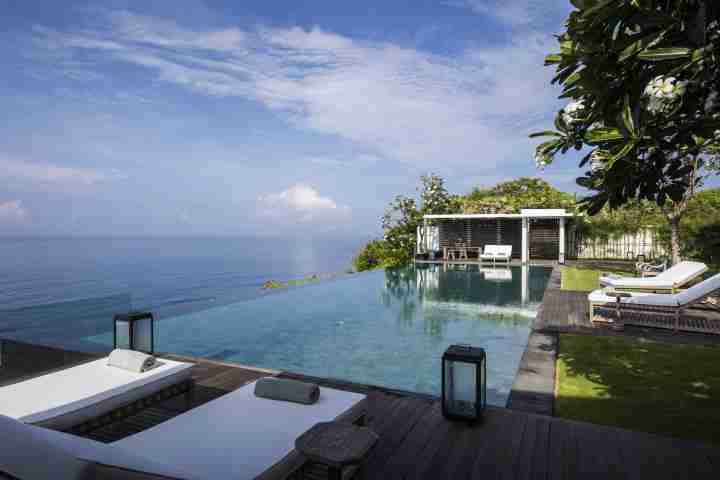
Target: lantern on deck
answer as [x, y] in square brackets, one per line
[463, 382]
[134, 331]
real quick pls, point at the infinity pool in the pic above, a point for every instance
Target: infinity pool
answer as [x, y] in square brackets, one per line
[386, 327]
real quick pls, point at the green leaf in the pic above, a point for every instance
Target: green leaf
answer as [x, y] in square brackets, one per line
[546, 133]
[553, 59]
[627, 117]
[661, 54]
[604, 134]
[546, 147]
[620, 154]
[639, 45]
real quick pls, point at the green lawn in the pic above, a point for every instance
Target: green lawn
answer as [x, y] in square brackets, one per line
[671, 390]
[585, 278]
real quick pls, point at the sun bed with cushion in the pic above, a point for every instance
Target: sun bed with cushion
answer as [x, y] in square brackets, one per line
[238, 436]
[496, 253]
[668, 281]
[65, 398]
[659, 310]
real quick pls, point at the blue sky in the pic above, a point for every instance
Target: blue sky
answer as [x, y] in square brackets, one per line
[210, 117]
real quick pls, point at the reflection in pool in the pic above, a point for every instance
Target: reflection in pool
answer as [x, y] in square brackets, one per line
[386, 327]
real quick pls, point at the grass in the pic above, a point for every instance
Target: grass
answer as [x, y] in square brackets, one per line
[672, 390]
[586, 278]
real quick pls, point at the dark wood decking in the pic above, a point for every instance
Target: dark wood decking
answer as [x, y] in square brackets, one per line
[417, 442]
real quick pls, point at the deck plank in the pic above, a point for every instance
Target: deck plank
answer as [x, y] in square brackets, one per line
[417, 442]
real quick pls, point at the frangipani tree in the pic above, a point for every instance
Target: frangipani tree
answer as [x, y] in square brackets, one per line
[643, 79]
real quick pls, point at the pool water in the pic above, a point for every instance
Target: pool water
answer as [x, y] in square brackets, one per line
[385, 327]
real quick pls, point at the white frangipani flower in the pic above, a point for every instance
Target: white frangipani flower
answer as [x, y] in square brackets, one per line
[663, 92]
[596, 161]
[711, 102]
[573, 112]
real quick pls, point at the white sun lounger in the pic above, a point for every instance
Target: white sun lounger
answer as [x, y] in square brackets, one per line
[496, 253]
[238, 436]
[69, 397]
[668, 281]
[657, 309]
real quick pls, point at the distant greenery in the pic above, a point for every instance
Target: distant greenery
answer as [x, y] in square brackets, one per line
[699, 234]
[514, 195]
[272, 284]
[400, 223]
[660, 388]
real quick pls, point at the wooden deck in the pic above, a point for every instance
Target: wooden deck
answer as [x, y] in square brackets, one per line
[417, 442]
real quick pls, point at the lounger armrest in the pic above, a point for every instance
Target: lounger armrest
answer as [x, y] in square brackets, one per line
[292, 462]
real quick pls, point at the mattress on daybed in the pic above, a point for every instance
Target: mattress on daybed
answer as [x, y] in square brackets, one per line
[235, 436]
[71, 396]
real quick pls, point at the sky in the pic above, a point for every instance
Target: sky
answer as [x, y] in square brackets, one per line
[263, 117]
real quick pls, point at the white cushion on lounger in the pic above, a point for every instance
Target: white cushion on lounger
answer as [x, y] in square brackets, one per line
[68, 397]
[656, 299]
[27, 454]
[674, 276]
[237, 435]
[701, 290]
[35, 453]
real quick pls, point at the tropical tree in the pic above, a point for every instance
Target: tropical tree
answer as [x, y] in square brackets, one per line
[514, 195]
[400, 224]
[643, 77]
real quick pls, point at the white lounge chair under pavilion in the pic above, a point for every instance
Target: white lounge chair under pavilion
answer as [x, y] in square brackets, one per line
[496, 253]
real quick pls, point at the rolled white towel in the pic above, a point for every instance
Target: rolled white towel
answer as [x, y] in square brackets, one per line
[131, 360]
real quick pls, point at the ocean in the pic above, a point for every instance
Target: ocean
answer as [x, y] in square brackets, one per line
[168, 275]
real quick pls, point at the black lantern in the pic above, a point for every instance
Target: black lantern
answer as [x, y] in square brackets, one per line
[134, 331]
[463, 382]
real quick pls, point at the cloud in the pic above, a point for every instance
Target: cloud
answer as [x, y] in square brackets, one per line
[302, 204]
[53, 174]
[517, 13]
[13, 212]
[396, 103]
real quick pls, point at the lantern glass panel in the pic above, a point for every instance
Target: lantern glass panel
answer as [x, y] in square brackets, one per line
[142, 335]
[461, 388]
[122, 334]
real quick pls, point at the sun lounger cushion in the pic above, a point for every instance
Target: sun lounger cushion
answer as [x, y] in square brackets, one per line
[674, 276]
[26, 454]
[656, 299]
[71, 396]
[701, 290]
[131, 360]
[287, 390]
[35, 453]
[237, 435]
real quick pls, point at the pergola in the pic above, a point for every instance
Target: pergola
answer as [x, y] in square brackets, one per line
[533, 233]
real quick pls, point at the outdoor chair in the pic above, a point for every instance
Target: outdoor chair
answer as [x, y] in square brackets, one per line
[657, 310]
[668, 281]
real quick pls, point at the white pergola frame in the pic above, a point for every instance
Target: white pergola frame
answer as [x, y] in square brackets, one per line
[525, 215]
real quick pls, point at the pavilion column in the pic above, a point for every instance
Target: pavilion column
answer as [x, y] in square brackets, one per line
[524, 284]
[525, 256]
[561, 252]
